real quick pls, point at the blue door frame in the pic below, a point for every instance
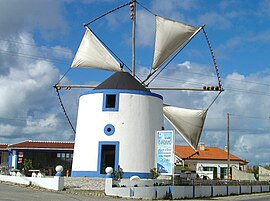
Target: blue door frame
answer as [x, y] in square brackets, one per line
[116, 160]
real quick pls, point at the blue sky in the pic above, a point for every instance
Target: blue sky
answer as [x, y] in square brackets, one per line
[38, 40]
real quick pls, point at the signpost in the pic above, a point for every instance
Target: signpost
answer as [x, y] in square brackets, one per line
[165, 152]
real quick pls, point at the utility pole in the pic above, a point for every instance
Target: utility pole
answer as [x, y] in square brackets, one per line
[229, 177]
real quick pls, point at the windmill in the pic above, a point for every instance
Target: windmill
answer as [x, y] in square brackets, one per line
[117, 119]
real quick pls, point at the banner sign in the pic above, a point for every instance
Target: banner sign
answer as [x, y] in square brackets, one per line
[165, 152]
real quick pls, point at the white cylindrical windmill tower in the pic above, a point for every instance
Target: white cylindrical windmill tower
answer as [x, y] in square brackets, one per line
[116, 126]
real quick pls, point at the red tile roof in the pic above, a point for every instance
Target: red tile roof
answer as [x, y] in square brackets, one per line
[3, 146]
[42, 145]
[209, 153]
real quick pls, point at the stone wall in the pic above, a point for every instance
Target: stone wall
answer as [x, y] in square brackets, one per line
[264, 174]
[240, 175]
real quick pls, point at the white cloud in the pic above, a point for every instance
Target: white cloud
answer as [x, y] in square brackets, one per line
[7, 130]
[246, 98]
[254, 148]
[35, 126]
[17, 16]
[28, 108]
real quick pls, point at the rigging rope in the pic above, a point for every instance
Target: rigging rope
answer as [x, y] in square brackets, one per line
[63, 108]
[213, 101]
[63, 76]
[213, 57]
[146, 8]
[121, 6]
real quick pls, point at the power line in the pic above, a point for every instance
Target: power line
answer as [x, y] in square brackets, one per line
[250, 117]
[34, 45]
[24, 119]
[29, 56]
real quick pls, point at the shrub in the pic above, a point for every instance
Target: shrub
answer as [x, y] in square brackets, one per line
[154, 173]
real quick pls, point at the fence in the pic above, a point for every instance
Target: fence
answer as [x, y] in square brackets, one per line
[159, 189]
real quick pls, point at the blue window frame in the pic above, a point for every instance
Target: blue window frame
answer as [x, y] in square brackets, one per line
[110, 102]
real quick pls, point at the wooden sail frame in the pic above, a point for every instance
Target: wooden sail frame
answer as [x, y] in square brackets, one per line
[204, 88]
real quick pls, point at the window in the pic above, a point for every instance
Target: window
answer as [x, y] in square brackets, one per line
[109, 129]
[110, 102]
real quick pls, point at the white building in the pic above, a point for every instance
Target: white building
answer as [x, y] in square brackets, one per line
[116, 127]
[210, 162]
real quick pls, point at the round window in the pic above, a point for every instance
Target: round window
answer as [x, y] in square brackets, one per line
[109, 129]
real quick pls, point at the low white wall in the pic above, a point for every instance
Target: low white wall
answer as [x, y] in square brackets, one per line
[219, 190]
[265, 188]
[256, 188]
[180, 192]
[153, 192]
[53, 183]
[245, 189]
[13, 179]
[234, 190]
[202, 191]
[141, 182]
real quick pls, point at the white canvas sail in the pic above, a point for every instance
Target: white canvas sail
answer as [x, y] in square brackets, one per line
[92, 54]
[170, 36]
[188, 123]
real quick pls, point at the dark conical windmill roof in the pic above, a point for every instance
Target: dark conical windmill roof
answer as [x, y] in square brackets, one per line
[122, 80]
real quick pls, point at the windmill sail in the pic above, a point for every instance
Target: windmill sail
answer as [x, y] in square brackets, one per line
[188, 123]
[170, 37]
[92, 54]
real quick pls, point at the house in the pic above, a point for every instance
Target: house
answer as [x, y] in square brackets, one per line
[210, 162]
[41, 155]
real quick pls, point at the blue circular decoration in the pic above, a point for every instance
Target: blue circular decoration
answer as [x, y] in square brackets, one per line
[109, 129]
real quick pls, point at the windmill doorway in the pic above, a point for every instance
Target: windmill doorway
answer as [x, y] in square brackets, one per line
[108, 156]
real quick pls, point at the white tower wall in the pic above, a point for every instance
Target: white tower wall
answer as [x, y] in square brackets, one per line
[137, 116]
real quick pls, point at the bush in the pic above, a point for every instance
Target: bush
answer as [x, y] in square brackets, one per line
[117, 175]
[154, 173]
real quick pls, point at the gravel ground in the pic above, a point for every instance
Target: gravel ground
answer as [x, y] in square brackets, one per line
[84, 186]
[84, 183]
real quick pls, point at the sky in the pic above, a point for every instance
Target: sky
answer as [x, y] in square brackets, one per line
[39, 38]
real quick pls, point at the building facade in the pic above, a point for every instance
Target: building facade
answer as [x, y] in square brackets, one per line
[210, 162]
[40, 155]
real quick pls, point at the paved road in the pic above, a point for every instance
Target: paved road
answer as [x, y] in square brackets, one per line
[10, 192]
